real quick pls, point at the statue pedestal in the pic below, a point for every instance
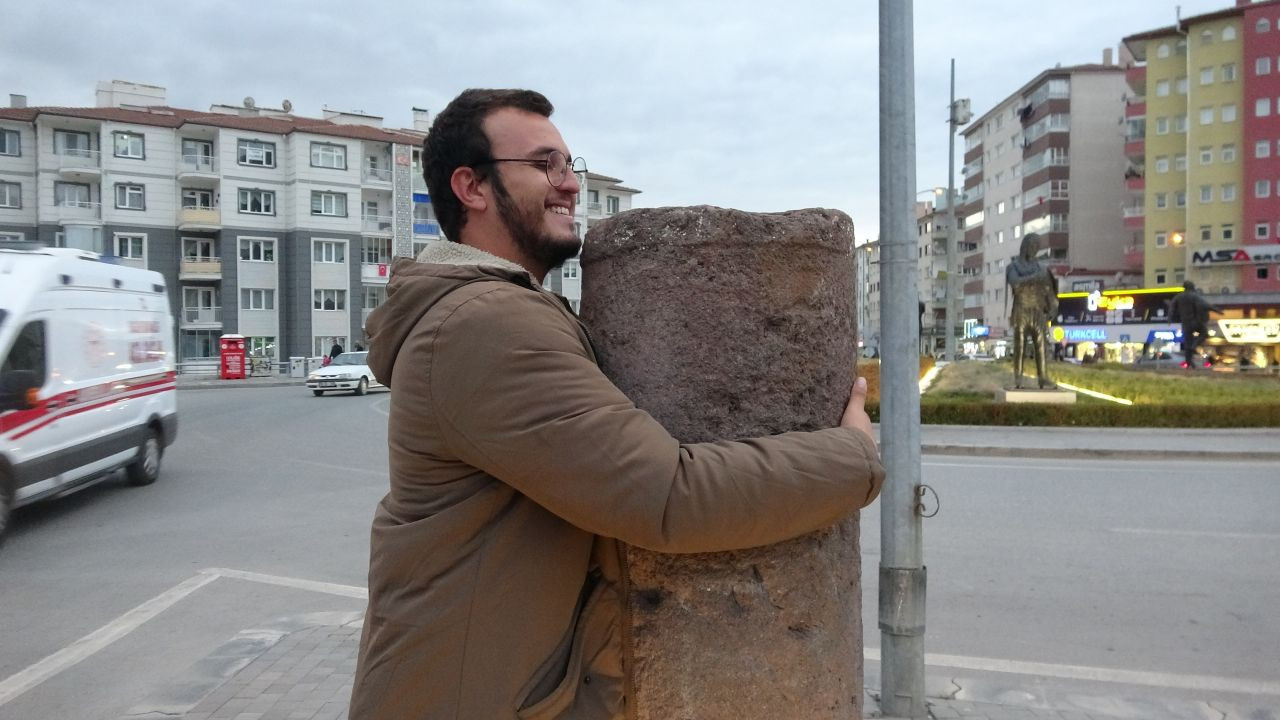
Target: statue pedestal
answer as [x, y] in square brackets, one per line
[1036, 395]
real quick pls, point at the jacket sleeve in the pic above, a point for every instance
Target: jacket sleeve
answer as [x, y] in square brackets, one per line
[519, 397]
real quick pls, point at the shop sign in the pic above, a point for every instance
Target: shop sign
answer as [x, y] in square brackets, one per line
[1251, 330]
[1079, 334]
[1097, 301]
[1252, 254]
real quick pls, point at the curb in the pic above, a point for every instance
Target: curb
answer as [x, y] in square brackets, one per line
[1097, 453]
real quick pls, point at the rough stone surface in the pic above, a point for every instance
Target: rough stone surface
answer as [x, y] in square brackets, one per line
[725, 324]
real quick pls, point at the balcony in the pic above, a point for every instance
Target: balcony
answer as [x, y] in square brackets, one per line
[78, 211]
[1134, 216]
[202, 317]
[198, 219]
[376, 224]
[200, 268]
[377, 175]
[375, 273]
[426, 227]
[1136, 76]
[79, 163]
[1135, 148]
[595, 210]
[1135, 108]
[197, 167]
[1135, 183]
[1133, 256]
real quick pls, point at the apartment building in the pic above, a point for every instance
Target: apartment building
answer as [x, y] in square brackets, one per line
[1048, 159]
[264, 223]
[932, 220]
[601, 197]
[1204, 150]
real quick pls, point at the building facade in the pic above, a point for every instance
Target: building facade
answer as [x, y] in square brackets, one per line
[1048, 159]
[1204, 148]
[601, 197]
[274, 226]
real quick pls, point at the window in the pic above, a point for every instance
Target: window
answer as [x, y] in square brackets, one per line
[1162, 88]
[197, 154]
[1228, 113]
[1206, 116]
[1228, 192]
[1162, 201]
[328, 203]
[322, 343]
[1262, 66]
[1228, 232]
[132, 247]
[28, 351]
[327, 155]
[1262, 230]
[1162, 239]
[570, 271]
[1180, 199]
[1229, 72]
[129, 145]
[1161, 276]
[1180, 47]
[1228, 33]
[11, 237]
[1180, 162]
[1180, 86]
[1206, 233]
[67, 142]
[330, 299]
[258, 249]
[1206, 193]
[1162, 164]
[612, 203]
[1206, 76]
[1262, 107]
[376, 251]
[1000, 208]
[256, 152]
[198, 249]
[1262, 189]
[10, 195]
[1262, 149]
[1162, 126]
[260, 346]
[197, 199]
[999, 236]
[1229, 153]
[1017, 231]
[67, 194]
[1206, 155]
[1016, 201]
[257, 202]
[1263, 25]
[1180, 123]
[257, 299]
[329, 251]
[130, 197]
[1206, 37]
[1162, 51]
[10, 142]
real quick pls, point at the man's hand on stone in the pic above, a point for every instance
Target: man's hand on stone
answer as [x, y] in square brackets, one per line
[855, 414]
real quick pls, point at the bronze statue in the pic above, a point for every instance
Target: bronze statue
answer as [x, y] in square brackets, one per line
[1191, 309]
[1035, 303]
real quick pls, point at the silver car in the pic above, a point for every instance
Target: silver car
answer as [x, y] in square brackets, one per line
[348, 371]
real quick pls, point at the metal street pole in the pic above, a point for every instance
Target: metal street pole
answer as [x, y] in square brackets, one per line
[950, 318]
[902, 573]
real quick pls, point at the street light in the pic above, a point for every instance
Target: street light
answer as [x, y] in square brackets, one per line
[958, 114]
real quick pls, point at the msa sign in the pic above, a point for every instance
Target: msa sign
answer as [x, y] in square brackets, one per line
[1256, 254]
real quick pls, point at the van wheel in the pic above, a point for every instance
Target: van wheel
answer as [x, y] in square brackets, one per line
[317, 393]
[6, 503]
[363, 387]
[146, 468]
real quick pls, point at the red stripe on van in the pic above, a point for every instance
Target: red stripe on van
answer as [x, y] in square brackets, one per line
[111, 392]
[85, 408]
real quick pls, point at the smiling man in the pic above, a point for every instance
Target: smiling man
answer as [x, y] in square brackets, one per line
[497, 581]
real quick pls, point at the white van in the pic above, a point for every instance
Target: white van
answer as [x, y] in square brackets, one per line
[87, 381]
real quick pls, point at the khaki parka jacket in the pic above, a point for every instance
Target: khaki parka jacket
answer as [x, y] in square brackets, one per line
[517, 471]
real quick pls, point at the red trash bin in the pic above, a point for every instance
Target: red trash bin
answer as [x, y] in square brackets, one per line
[232, 353]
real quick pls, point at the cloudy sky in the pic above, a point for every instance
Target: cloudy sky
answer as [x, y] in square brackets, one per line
[761, 106]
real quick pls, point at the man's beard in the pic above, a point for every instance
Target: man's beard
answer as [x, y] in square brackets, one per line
[526, 228]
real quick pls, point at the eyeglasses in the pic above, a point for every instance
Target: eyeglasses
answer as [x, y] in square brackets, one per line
[557, 165]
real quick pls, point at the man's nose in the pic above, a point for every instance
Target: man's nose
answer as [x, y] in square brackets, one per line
[571, 183]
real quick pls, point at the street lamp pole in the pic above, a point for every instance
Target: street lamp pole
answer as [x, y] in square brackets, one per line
[957, 114]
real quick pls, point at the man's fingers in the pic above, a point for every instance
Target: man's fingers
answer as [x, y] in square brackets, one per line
[858, 395]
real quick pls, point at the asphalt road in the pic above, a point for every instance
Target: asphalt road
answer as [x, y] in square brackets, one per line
[1162, 568]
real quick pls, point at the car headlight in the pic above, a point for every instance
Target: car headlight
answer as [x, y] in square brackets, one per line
[313, 377]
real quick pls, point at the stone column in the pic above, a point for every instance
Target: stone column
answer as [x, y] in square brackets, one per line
[725, 325]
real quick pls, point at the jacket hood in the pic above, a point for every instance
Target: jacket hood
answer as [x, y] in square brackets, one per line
[417, 285]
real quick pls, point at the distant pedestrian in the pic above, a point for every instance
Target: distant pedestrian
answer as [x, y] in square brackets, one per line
[1191, 309]
[334, 352]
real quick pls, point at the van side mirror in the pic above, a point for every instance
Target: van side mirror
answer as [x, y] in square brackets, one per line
[17, 389]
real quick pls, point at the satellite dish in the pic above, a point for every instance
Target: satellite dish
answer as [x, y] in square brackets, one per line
[248, 101]
[286, 106]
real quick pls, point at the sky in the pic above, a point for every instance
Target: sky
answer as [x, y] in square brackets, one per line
[759, 106]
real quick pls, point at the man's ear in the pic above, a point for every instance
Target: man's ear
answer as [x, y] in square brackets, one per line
[469, 188]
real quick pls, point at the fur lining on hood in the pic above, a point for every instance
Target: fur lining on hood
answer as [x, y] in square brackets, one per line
[447, 252]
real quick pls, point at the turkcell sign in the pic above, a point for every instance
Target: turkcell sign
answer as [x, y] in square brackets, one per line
[1086, 334]
[1247, 255]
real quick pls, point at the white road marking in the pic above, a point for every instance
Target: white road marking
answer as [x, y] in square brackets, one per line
[383, 406]
[350, 591]
[24, 680]
[1198, 533]
[1206, 683]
